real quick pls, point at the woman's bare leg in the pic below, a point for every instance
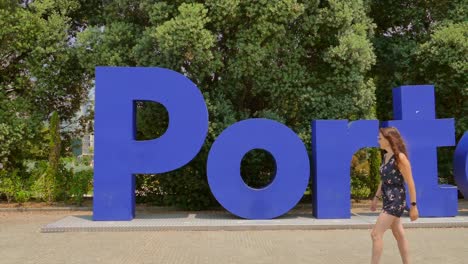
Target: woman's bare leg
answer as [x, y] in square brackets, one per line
[384, 221]
[399, 234]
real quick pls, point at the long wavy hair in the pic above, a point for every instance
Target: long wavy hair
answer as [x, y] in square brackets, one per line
[397, 143]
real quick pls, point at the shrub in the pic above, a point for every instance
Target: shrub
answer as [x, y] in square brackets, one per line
[41, 187]
[22, 196]
[184, 189]
[359, 187]
[7, 185]
[80, 184]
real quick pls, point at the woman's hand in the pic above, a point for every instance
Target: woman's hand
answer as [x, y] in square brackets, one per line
[414, 213]
[373, 206]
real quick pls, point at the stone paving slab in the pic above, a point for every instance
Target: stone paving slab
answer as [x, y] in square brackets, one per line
[223, 221]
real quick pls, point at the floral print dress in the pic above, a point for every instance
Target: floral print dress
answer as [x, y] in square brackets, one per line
[393, 188]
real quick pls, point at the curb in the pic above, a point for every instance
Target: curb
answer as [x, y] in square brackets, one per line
[223, 222]
[45, 209]
[46, 229]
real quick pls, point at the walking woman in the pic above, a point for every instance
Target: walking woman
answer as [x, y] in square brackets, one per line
[395, 171]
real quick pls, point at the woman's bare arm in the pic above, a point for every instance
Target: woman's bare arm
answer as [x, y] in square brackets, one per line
[405, 169]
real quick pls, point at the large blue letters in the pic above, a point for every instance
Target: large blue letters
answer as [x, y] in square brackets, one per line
[118, 155]
[292, 169]
[333, 146]
[460, 165]
[414, 111]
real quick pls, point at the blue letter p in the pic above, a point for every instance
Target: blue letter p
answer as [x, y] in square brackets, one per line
[118, 155]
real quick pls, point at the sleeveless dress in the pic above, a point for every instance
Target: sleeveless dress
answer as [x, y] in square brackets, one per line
[393, 188]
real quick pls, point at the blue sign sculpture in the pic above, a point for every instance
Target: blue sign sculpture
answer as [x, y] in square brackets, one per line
[414, 114]
[292, 169]
[118, 155]
[460, 165]
[333, 144]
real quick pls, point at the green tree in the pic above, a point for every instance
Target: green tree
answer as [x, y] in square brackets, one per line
[374, 170]
[443, 62]
[51, 177]
[39, 73]
[287, 60]
[423, 42]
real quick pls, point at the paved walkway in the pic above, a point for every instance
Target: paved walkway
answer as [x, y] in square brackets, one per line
[22, 242]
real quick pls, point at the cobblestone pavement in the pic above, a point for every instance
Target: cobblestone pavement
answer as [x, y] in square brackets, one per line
[22, 242]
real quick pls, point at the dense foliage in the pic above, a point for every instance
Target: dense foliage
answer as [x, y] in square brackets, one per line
[288, 60]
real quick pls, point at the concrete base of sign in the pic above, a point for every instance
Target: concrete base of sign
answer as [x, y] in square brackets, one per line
[223, 221]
